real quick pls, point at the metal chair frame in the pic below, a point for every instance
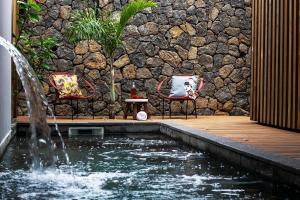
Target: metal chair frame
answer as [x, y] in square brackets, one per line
[179, 98]
[88, 98]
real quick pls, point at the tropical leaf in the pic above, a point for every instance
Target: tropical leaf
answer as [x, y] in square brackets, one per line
[130, 10]
[84, 26]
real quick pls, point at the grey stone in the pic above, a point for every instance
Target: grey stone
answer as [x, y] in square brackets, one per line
[198, 41]
[170, 57]
[201, 28]
[232, 31]
[179, 14]
[222, 48]
[219, 83]
[238, 3]
[150, 28]
[122, 61]
[65, 53]
[131, 44]
[138, 59]
[217, 27]
[129, 72]
[228, 60]
[167, 70]
[65, 12]
[154, 62]
[63, 65]
[160, 41]
[225, 71]
[148, 49]
[243, 48]
[236, 75]
[131, 31]
[95, 61]
[156, 72]
[150, 85]
[143, 73]
[184, 41]
[208, 49]
[183, 53]
[223, 95]
[139, 19]
[218, 59]
[206, 60]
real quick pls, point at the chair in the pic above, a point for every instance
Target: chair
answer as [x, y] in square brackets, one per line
[67, 87]
[181, 98]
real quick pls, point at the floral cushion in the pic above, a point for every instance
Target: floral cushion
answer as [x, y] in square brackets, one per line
[184, 86]
[68, 85]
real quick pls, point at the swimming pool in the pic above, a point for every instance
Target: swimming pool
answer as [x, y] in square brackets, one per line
[131, 166]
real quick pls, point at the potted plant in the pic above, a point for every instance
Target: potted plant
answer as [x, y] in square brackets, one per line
[89, 24]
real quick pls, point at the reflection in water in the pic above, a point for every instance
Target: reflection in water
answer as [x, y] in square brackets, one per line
[42, 148]
[135, 167]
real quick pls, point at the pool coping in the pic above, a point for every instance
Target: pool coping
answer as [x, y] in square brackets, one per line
[270, 165]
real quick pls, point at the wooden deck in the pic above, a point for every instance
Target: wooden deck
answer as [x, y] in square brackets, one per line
[241, 129]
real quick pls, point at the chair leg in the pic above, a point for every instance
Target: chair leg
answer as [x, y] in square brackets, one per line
[54, 106]
[72, 109]
[163, 109]
[170, 109]
[77, 112]
[195, 107]
[186, 109]
[93, 112]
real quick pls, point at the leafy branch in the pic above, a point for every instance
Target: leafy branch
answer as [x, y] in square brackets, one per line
[37, 49]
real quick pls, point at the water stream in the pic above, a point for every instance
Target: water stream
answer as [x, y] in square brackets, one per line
[42, 147]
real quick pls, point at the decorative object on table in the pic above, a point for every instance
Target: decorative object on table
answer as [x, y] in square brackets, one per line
[136, 105]
[133, 91]
[88, 24]
[183, 88]
[67, 87]
[141, 116]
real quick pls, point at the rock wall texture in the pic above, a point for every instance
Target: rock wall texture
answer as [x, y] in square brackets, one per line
[210, 38]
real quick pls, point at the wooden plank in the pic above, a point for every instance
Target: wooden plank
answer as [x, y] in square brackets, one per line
[261, 61]
[289, 66]
[253, 46]
[269, 74]
[276, 86]
[294, 66]
[298, 66]
[272, 62]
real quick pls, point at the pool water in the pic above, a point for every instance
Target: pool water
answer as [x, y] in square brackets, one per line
[131, 167]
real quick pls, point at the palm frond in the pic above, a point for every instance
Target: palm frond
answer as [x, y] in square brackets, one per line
[131, 9]
[84, 26]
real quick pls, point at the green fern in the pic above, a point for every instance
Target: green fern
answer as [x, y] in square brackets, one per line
[130, 10]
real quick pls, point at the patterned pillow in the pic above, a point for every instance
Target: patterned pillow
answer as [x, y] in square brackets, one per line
[68, 85]
[184, 86]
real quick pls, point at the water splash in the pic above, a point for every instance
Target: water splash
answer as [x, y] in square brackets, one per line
[42, 148]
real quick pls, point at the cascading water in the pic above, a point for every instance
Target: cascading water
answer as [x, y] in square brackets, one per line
[37, 106]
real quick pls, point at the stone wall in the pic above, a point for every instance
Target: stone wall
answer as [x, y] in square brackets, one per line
[210, 38]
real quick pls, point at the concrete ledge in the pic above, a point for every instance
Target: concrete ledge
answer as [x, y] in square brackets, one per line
[6, 140]
[272, 166]
[109, 127]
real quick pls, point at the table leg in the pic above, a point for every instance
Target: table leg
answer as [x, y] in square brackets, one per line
[134, 110]
[146, 110]
[127, 108]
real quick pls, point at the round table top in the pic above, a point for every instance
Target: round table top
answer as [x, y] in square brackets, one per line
[136, 100]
